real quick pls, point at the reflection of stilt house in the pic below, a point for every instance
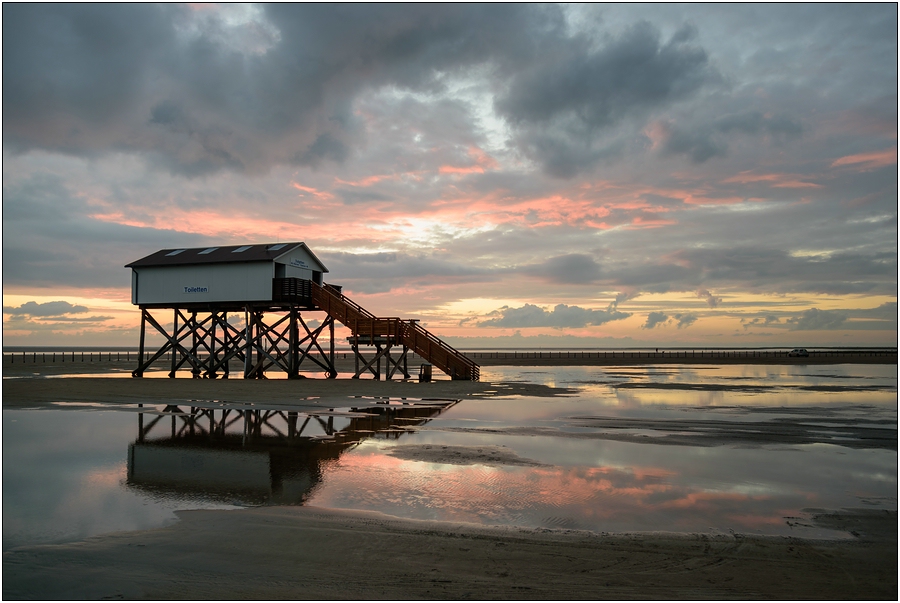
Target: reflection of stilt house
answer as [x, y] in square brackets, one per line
[203, 285]
[254, 453]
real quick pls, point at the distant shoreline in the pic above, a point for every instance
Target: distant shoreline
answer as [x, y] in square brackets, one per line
[503, 350]
[639, 358]
[120, 360]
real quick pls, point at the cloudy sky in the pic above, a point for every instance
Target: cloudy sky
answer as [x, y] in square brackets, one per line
[513, 175]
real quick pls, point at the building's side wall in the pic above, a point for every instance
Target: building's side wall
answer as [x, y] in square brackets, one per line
[295, 272]
[298, 263]
[203, 283]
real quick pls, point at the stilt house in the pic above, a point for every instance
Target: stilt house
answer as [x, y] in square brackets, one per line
[236, 274]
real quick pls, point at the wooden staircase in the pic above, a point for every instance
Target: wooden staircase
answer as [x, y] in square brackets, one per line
[368, 328]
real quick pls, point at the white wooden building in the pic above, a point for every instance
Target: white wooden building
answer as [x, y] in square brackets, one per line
[237, 274]
[203, 285]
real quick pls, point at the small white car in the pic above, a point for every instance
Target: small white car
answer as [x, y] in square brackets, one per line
[798, 353]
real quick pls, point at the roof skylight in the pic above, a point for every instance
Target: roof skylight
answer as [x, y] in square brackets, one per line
[205, 251]
[277, 247]
[242, 249]
[176, 252]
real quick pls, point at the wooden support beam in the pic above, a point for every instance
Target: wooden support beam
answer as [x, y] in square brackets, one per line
[206, 343]
[139, 372]
[380, 351]
[397, 365]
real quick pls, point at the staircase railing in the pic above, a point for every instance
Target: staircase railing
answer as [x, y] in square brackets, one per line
[438, 352]
[364, 324]
[360, 321]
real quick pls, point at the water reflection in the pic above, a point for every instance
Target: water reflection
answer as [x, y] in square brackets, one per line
[671, 453]
[255, 454]
[710, 385]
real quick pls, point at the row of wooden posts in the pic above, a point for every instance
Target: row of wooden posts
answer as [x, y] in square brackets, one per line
[585, 355]
[43, 357]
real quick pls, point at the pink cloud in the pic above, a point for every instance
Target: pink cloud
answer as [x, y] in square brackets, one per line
[633, 197]
[658, 132]
[868, 161]
[641, 223]
[449, 169]
[482, 159]
[312, 191]
[701, 200]
[206, 223]
[482, 163]
[777, 180]
[366, 182]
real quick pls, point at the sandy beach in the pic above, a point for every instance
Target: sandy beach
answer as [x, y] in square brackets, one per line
[310, 553]
[315, 553]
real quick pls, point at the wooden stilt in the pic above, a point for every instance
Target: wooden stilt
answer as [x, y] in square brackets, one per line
[139, 372]
[195, 368]
[333, 373]
[248, 341]
[175, 332]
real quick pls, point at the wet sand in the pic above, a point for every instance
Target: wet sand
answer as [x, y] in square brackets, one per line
[312, 553]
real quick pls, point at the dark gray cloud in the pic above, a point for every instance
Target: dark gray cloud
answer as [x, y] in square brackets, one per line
[562, 316]
[351, 196]
[652, 277]
[655, 319]
[754, 122]
[632, 73]
[561, 104]
[761, 321]
[197, 94]
[711, 300]
[778, 270]
[71, 72]
[886, 311]
[46, 309]
[50, 240]
[710, 140]
[685, 320]
[699, 146]
[883, 317]
[379, 272]
[574, 268]
[761, 270]
[815, 319]
[74, 319]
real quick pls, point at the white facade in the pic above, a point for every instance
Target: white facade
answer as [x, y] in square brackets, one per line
[203, 283]
[182, 277]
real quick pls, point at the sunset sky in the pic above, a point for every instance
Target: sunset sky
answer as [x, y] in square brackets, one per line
[512, 175]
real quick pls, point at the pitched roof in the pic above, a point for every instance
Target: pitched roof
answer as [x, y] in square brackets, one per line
[220, 255]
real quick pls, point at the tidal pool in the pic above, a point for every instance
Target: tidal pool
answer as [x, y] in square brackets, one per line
[743, 449]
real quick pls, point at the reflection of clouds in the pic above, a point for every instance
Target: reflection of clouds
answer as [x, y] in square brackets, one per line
[108, 477]
[597, 385]
[599, 498]
[66, 480]
[631, 398]
[705, 500]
